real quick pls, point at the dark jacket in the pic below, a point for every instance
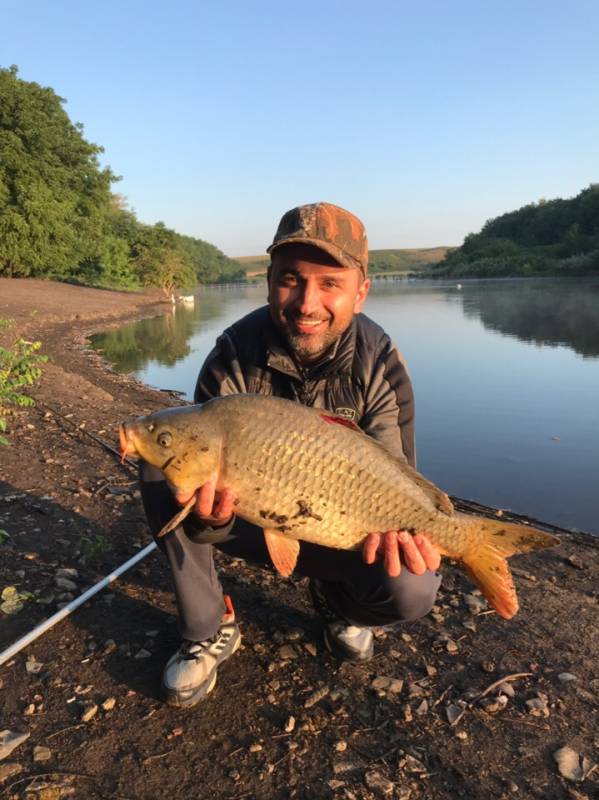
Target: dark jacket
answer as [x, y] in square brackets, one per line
[363, 378]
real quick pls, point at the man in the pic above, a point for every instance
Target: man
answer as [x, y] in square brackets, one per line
[312, 345]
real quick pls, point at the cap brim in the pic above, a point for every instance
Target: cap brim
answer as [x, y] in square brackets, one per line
[340, 256]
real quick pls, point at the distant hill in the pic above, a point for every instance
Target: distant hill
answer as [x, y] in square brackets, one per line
[551, 237]
[380, 261]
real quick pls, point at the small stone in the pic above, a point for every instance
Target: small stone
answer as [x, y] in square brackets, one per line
[41, 753]
[335, 784]
[9, 741]
[422, 709]
[66, 584]
[234, 774]
[344, 766]
[89, 711]
[475, 603]
[469, 625]
[412, 764]
[341, 746]
[431, 671]
[381, 682]
[453, 713]
[507, 689]
[487, 665]
[395, 686]
[575, 561]
[407, 713]
[289, 724]
[143, 653]
[513, 787]
[537, 706]
[571, 765]
[109, 647]
[566, 677]
[451, 646]
[378, 784]
[311, 648]
[316, 696]
[32, 666]
[29, 710]
[67, 572]
[494, 704]
[109, 703]
[287, 652]
[9, 770]
[461, 735]
[256, 748]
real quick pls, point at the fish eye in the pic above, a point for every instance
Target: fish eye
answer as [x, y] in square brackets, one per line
[164, 439]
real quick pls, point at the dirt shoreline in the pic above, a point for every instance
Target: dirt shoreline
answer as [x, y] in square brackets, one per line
[67, 503]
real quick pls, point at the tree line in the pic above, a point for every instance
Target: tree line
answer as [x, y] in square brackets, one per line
[551, 237]
[60, 219]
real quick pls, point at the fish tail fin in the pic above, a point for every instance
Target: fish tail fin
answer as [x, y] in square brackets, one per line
[487, 563]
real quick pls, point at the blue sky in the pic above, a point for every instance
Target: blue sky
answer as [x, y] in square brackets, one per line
[425, 119]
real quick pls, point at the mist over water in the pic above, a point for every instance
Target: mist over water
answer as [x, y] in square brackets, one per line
[506, 377]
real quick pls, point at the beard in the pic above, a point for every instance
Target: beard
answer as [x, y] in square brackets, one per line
[309, 347]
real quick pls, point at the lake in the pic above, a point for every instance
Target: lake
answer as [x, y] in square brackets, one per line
[505, 373]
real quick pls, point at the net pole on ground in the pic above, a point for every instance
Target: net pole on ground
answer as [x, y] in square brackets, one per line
[44, 626]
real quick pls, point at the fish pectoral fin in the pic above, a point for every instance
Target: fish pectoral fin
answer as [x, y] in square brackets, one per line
[282, 551]
[491, 573]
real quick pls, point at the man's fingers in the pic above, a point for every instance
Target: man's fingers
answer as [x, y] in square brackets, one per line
[430, 554]
[205, 501]
[370, 547]
[223, 510]
[392, 561]
[411, 554]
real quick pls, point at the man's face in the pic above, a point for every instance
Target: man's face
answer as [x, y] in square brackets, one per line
[312, 298]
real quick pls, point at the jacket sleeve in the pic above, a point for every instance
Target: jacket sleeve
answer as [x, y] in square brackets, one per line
[221, 373]
[389, 407]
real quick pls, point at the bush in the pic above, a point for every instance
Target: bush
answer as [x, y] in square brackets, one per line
[20, 366]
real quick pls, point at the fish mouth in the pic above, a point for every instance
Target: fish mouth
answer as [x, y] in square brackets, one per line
[127, 446]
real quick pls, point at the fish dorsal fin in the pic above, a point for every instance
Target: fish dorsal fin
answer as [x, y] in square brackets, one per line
[282, 551]
[334, 419]
[439, 498]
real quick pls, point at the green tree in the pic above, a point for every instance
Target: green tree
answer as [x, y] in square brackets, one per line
[160, 262]
[53, 194]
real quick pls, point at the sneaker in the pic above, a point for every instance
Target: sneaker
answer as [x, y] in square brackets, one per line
[190, 673]
[345, 641]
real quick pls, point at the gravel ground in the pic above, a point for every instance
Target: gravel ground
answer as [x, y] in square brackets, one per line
[461, 704]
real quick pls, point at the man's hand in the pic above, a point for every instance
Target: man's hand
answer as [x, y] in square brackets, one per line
[395, 547]
[215, 509]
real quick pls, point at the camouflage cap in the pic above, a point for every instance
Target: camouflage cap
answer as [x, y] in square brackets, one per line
[332, 229]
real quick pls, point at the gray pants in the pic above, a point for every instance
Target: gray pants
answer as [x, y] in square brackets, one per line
[360, 593]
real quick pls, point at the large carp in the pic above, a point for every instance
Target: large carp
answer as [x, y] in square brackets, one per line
[300, 476]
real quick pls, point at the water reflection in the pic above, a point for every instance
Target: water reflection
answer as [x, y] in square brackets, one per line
[162, 339]
[543, 312]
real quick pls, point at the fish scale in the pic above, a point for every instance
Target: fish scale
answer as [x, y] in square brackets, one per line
[301, 476]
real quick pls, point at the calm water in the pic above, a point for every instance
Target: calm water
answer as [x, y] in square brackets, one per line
[506, 376]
